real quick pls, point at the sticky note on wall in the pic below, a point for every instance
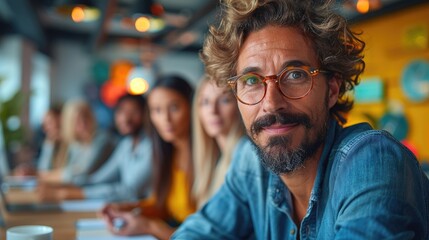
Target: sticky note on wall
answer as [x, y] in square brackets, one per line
[370, 90]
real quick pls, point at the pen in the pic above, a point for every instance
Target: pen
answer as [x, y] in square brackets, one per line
[119, 223]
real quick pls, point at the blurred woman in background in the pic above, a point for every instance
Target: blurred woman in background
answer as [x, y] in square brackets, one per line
[217, 128]
[86, 147]
[170, 112]
[127, 173]
[49, 153]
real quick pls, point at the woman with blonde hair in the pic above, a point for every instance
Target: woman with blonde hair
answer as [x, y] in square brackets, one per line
[217, 128]
[85, 147]
[126, 175]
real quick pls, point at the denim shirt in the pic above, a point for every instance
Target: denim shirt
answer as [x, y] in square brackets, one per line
[368, 186]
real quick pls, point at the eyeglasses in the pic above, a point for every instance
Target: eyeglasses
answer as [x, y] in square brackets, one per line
[293, 82]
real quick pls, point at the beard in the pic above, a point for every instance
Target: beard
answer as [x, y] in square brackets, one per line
[278, 156]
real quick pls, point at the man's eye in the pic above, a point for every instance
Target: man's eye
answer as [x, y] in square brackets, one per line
[251, 80]
[296, 75]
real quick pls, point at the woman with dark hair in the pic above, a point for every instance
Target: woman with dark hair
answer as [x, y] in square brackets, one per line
[170, 112]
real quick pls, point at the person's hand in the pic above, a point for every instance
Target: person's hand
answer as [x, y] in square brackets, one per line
[24, 169]
[48, 192]
[130, 224]
[128, 219]
[53, 176]
[105, 212]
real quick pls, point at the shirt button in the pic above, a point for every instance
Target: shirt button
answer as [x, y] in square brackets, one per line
[292, 231]
[277, 190]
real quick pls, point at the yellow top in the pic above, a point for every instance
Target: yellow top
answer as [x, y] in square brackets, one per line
[179, 205]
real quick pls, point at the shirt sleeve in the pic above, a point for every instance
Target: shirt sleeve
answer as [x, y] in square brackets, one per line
[44, 162]
[109, 172]
[134, 179]
[84, 158]
[138, 187]
[111, 192]
[69, 169]
[379, 191]
[226, 215]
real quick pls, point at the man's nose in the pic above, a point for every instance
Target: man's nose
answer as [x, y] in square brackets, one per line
[274, 99]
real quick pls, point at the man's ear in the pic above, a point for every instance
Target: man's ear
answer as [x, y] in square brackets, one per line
[334, 85]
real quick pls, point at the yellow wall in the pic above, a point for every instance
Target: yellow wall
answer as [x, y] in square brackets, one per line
[386, 56]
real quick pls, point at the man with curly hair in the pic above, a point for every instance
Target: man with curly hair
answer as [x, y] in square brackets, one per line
[290, 64]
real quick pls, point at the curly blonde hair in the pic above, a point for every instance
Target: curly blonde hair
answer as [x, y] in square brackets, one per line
[339, 50]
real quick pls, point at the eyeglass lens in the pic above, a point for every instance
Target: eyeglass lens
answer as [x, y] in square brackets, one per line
[293, 83]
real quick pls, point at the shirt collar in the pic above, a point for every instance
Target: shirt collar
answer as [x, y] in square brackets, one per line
[277, 190]
[333, 129]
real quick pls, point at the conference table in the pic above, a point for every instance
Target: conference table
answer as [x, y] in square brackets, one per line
[63, 222]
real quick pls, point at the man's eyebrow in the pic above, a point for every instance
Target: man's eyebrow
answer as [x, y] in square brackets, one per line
[250, 69]
[293, 63]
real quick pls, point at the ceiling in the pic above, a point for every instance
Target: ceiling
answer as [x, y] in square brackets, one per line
[182, 24]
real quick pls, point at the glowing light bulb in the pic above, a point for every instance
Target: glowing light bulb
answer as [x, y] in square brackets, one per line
[78, 14]
[362, 6]
[142, 24]
[138, 86]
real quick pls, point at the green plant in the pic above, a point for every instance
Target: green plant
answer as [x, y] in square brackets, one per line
[9, 110]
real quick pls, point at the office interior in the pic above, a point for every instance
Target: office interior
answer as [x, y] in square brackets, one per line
[55, 50]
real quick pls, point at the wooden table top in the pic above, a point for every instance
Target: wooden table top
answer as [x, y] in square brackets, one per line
[63, 223]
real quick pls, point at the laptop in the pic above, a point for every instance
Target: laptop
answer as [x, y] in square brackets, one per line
[24, 184]
[24, 206]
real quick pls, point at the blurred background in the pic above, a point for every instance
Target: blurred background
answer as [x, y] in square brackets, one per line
[55, 50]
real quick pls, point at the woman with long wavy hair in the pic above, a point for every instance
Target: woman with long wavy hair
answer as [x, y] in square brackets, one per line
[171, 202]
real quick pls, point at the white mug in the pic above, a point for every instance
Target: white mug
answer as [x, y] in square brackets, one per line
[29, 232]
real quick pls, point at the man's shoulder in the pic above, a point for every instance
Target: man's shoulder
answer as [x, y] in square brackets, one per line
[363, 137]
[360, 150]
[373, 177]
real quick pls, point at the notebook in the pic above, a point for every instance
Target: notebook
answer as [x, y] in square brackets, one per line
[95, 229]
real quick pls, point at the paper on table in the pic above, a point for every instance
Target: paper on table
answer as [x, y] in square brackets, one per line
[95, 229]
[82, 205]
[90, 223]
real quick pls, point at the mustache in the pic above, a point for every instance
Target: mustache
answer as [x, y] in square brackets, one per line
[279, 118]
